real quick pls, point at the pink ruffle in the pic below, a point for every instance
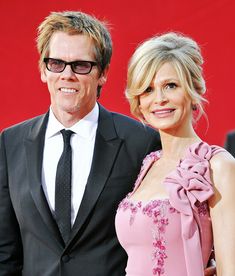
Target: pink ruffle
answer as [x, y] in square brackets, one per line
[189, 184]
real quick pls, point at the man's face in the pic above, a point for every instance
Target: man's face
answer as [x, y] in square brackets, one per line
[71, 93]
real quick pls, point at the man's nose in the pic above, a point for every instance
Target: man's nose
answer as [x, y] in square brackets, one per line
[68, 72]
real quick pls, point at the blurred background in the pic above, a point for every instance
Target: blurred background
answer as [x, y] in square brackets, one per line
[209, 22]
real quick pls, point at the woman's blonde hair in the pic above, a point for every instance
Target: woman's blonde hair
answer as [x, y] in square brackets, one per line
[185, 56]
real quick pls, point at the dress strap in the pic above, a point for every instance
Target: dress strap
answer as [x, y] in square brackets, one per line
[146, 165]
[216, 149]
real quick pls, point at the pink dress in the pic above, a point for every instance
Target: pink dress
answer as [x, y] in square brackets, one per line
[172, 236]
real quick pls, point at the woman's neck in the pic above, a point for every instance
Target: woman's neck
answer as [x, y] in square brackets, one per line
[174, 146]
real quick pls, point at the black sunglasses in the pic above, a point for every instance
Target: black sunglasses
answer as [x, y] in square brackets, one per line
[81, 67]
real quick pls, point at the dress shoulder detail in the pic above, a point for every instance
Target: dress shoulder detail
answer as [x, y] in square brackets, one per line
[191, 181]
[189, 186]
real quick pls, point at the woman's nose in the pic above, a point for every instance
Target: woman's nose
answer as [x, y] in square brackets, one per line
[160, 96]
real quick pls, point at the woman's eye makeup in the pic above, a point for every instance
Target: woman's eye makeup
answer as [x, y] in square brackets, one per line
[165, 86]
[170, 85]
[148, 89]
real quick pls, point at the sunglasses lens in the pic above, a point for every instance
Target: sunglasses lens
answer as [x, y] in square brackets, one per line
[55, 65]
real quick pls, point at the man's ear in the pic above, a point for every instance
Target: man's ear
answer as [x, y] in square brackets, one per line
[43, 75]
[103, 76]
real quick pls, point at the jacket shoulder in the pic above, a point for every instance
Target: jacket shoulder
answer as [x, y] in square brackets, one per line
[24, 126]
[137, 133]
[129, 124]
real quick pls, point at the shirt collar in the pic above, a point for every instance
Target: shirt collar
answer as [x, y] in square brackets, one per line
[86, 127]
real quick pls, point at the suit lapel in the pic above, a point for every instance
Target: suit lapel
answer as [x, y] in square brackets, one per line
[107, 145]
[34, 145]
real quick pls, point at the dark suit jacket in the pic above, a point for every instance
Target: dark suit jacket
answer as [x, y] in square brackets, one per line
[30, 242]
[230, 142]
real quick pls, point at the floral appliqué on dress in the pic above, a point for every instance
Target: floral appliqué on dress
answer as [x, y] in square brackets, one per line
[155, 209]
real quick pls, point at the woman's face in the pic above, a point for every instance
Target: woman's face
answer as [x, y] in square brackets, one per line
[165, 105]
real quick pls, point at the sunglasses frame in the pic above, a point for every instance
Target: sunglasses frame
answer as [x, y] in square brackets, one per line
[71, 63]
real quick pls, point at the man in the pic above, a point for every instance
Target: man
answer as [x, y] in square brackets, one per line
[230, 142]
[35, 162]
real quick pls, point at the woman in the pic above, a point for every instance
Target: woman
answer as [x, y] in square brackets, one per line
[186, 189]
